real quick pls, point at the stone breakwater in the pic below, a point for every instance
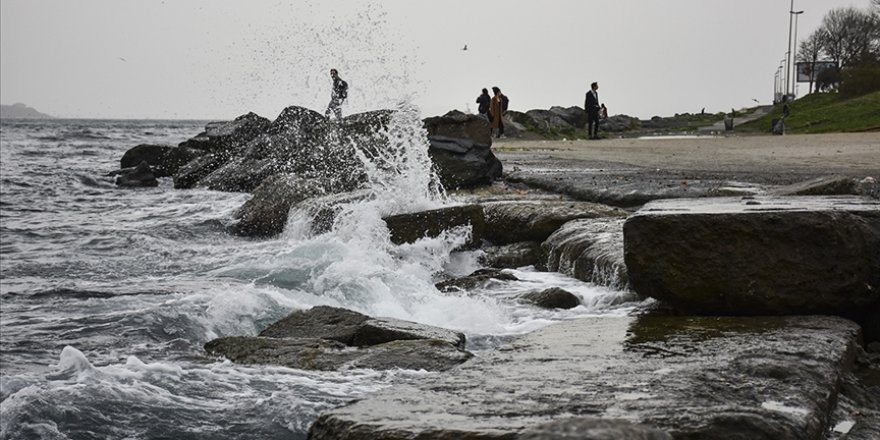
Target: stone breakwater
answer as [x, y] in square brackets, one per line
[707, 363]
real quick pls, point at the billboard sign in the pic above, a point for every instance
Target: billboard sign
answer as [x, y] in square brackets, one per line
[808, 71]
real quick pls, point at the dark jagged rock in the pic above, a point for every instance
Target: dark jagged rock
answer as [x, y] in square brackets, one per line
[407, 228]
[795, 255]
[265, 214]
[228, 138]
[328, 355]
[151, 154]
[355, 329]
[574, 116]
[139, 176]
[549, 123]
[511, 256]
[588, 249]
[552, 298]
[240, 175]
[189, 175]
[458, 125]
[462, 163]
[477, 279]
[691, 377]
[510, 222]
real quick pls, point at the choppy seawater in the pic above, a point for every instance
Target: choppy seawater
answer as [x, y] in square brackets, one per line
[107, 295]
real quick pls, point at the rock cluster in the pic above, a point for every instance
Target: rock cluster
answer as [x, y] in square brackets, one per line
[330, 338]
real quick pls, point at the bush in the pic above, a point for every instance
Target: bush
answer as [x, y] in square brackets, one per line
[860, 80]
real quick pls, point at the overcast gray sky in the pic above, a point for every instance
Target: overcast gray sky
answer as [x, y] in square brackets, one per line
[217, 59]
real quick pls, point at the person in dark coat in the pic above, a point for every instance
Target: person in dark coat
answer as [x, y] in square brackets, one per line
[592, 106]
[497, 107]
[483, 101]
[337, 96]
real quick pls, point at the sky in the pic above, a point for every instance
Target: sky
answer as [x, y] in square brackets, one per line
[218, 59]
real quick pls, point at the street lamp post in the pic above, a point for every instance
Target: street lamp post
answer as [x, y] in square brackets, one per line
[788, 47]
[794, 52]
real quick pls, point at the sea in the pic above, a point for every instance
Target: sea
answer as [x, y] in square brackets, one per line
[108, 294]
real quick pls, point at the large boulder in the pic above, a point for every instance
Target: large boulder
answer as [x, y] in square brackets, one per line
[593, 428]
[463, 163]
[549, 123]
[407, 228]
[164, 160]
[331, 338]
[511, 222]
[478, 279]
[574, 116]
[796, 255]
[328, 355]
[458, 125]
[511, 256]
[228, 138]
[265, 214]
[355, 329]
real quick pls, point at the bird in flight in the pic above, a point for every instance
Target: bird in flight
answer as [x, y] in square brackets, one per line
[465, 47]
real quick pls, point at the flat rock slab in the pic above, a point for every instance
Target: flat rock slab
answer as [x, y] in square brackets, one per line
[757, 255]
[696, 378]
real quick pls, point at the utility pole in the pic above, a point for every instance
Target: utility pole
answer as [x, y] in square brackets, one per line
[788, 49]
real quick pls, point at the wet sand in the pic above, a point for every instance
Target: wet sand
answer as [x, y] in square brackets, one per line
[854, 154]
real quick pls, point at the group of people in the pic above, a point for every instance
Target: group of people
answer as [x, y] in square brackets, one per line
[493, 108]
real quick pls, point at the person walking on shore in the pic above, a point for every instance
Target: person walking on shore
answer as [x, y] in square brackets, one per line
[497, 108]
[337, 96]
[591, 105]
[483, 101]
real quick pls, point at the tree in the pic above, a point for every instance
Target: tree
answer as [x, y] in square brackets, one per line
[810, 51]
[850, 35]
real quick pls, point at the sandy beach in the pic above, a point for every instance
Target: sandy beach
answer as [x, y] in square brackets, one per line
[856, 154]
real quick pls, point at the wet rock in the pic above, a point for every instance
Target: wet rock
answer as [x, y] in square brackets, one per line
[796, 255]
[458, 125]
[151, 154]
[821, 186]
[511, 256]
[408, 228]
[327, 355]
[139, 176]
[189, 175]
[590, 250]
[692, 377]
[239, 175]
[266, 213]
[463, 163]
[593, 428]
[165, 160]
[479, 278]
[460, 149]
[552, 298]
[511, 222]
[355, 329]
[228, 138]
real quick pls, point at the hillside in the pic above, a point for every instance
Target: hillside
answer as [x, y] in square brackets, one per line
[824, 113]
[20, 111]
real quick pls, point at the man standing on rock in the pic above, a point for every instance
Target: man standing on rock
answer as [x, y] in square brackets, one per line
[339, 94]
[592, 107]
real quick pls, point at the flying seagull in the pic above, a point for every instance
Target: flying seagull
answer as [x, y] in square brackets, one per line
[123, 59]
[465, 47]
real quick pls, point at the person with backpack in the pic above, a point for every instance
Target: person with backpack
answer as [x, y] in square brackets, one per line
[337, 96]
[483, 101]
[498, 108]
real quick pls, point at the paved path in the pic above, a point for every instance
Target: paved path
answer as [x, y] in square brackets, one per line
[719, 126]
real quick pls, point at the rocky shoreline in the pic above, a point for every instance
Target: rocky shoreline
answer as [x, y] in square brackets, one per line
[742, 259]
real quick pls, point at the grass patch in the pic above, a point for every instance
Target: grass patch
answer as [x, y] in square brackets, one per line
[824, 113]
